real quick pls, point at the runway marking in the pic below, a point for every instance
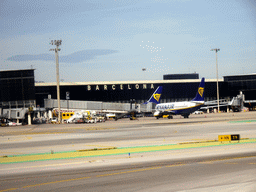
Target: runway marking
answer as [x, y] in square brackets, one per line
[12, 189]
[225, 159]
[48, 183]
[105, 146]
[81, 178]
[45, 133]
[206, 162]
[175, 165]
[133, 171]
[110, 174]
[91, 128]
[118, 151]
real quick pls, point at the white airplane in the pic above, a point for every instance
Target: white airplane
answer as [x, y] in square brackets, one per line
[184, 108]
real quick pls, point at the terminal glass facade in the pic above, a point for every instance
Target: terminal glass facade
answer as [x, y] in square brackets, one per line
[17, 85]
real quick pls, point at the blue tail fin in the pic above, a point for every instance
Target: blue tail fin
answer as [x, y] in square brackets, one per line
[155, 98]
[200, 92]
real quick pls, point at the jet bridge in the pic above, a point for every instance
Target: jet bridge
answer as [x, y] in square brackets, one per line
[236, 104]
[98, 106]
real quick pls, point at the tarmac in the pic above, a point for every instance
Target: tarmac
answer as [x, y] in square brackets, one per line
[118, 150]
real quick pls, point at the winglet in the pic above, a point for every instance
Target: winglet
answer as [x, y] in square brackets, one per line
[155, 98]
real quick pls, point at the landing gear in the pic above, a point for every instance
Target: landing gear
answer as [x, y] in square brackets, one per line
[170, 117]
[186, 115]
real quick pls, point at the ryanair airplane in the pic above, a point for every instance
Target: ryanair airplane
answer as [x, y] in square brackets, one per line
[184, 108]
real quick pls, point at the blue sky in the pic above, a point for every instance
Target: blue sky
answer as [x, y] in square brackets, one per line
[112, 40]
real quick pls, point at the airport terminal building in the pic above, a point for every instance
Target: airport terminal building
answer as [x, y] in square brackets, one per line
[178, 89]
[18, 89]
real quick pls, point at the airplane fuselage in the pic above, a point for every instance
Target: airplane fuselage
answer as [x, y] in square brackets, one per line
[177, 108]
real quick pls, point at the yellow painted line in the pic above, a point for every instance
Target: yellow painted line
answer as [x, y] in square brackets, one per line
[48, 183]
[195, 142]
[12, 189]
[105, 146]
[45, 133]
[133, 171]
[206, 162]
[90, 128]
[110, 174]
[242, 157]
[118, 151]
[96, 149]
[224, 159]
[41, 184]
[176, 165]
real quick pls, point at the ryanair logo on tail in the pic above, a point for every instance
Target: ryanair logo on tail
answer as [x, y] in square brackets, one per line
[157, 97]
[201, 91]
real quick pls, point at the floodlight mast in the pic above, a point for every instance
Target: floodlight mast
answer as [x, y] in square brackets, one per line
[57, 43]
[218, 100]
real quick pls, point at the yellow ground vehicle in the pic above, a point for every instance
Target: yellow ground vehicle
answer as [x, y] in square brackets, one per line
[67, 115]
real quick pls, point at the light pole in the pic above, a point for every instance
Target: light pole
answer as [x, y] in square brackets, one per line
[144, 69]
[57, 43]
[218, 102]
